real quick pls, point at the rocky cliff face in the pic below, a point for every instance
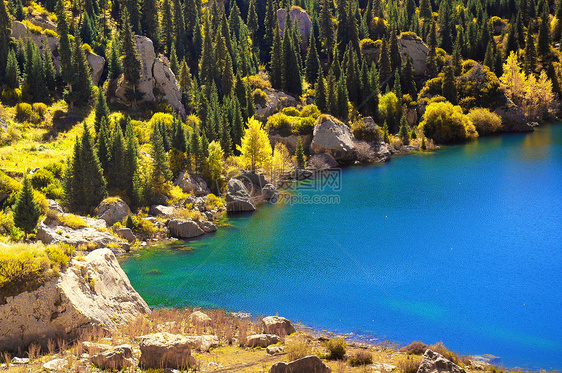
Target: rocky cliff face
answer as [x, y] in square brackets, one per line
[157, 81]
[412, 45]
[300, 16]
[93, 290]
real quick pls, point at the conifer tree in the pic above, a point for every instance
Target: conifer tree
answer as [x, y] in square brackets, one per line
[291, 74]
[320, 94]
[446, 26]
[373, 103]
[101, 110]
[5, 33]
[326, 27]
[543, 38]
[49, 67]
[227, 79]
[161, 173]
[36, 74]
[196, 153]
[385, 65]
[342, 109]
[312, 64]
[404, 132]
[65, 51]
[86, 32]
[456, 58]
[12, 71]
[26, 210]
[207, 66]
[449, 87]
[270, 22]
[19, 13]
[252, 19]
[395, 56]
[150, 23]
[131, 175]
[276, 64]
[226, 140]
[186, 85]
[385, 135]
[115, 65]
[103, 145]
[409, 84]
[132, 65]
[397, 86]
[425, 10]
[332, 95]
[167, 25]
[299, 154]
[174, 64]
[530, 62]
[511, 45]
[431, 60]
[84, 88]
[489, 56]
[116, 172]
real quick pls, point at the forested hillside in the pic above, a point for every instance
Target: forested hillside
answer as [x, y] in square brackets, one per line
[432, 71]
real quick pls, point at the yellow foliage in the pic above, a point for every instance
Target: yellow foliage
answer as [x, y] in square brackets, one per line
[255, 151]
[446, 123]
[72, 221]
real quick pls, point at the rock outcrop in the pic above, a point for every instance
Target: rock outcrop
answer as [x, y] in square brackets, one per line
[203, 343]
[96, 63]
[321, 162]
[513, 118]
[113, 210]
[262, 340]
[184, 228]
[434, 362]
[270, 193]
[157, 79]
[300, 16]
[412, 45]
[333, 137]
[207, 226]
[20, 31]
[192, 184]
[165, 350]
[86, 236]
[290, 141]
[307, 364]
[199, 318]
[160, 210]
[276, 101]
[277, 325]
[91, 291]
[238, 198]
[116, 358]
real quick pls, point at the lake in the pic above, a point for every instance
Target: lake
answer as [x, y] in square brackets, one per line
[463, 246]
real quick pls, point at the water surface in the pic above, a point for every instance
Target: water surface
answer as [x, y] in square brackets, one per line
[461, 246]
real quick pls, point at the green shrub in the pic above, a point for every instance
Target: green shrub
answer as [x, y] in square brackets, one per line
[260, 98]
[279, 124]
[366, 133]
[40, 108]
[485, 121]
[42, 178]
[72, 221]
[303, 126]
[298, 349]
[54, 190]
[56, 168]
[445, 123]
[11, 94]
[390, 111]
[368, 44]
[310, 111]
[361, 358]
[25, 113]
[291, 111]
[336, 348]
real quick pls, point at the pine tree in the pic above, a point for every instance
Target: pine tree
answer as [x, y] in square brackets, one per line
[331, 94]
[543, 38]
[449, 87]
[49, 67]
[373, 103]
[115, 174]
[174, 64]
[276, 64]
[19, 12]
[320, 94]
[404, 132]
[103, 145]
[131, 176]
[65, 51]
[26, 210]
[326, 28]
[312, 61]
[425, 10]
[132, 65]
[36, 74]
[511, 45]
[489, 56]
[161, 173]
[101, 110]
[115, 65]
[299, 154]
[86, 32]
[84, 88]
[186, 85]
[150, 23]
[195, 152]
[227, 79]
[446, 26]
[394, 50]
[397, 86]
[530, 62]
[457, 58]
[207, 66]
[252, 19]
[291, 74]
[167, 25]
[342, 109]
[12, 71]
[409, 84]
[385, 135]
[385, 65]
[431, 60]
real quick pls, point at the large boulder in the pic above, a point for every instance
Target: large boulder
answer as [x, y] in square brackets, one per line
[113, 210]
[200, 319]
[299, 16]
[91, 291]
[276, 101]
[116, 358]
[270, 193]
[434, 362]
[203, 343]
[321, 162]
[96, 63]
[207, 226]
[184, 228]
[85, 236]
[412, 45]
[161, 210]
[238, 198]
[165, 350]
[192, 184]
[20, 31]
[513, 118]
[308, 364]
[333, 137]
[277, 325]
[262, 340]
[157, 79]
[252, 178]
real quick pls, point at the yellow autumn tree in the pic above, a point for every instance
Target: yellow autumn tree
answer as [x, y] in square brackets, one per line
[281, 160]
[533, 95]
[255, 150]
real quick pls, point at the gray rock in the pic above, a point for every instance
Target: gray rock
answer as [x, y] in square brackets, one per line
[91, 291]
[276, 100]
[382, 367]
[113, 210]
[203, 343]
[274, 350]
[270, 193]
[413, 46]
[307, 364]
[238, 198]
[262, 340]
[333, 137]
[156, 77]
[117, 358]
[207, 226]
[184, 228]
[513, 118]
[255, 179]
[20, 360]
[434, 362]
[297, 15]
[290, 142]
[93, 348]
[126, 233]
[54, 205]
[192, 184]
[322, 161]
[277, 325]
[199, 318]
[95, 223]
[162, 211]
[82, 236]
[165, 350]
[56, 364]
[96, 63]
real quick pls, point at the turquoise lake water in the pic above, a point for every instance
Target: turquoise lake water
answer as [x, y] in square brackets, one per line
[462, 246]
